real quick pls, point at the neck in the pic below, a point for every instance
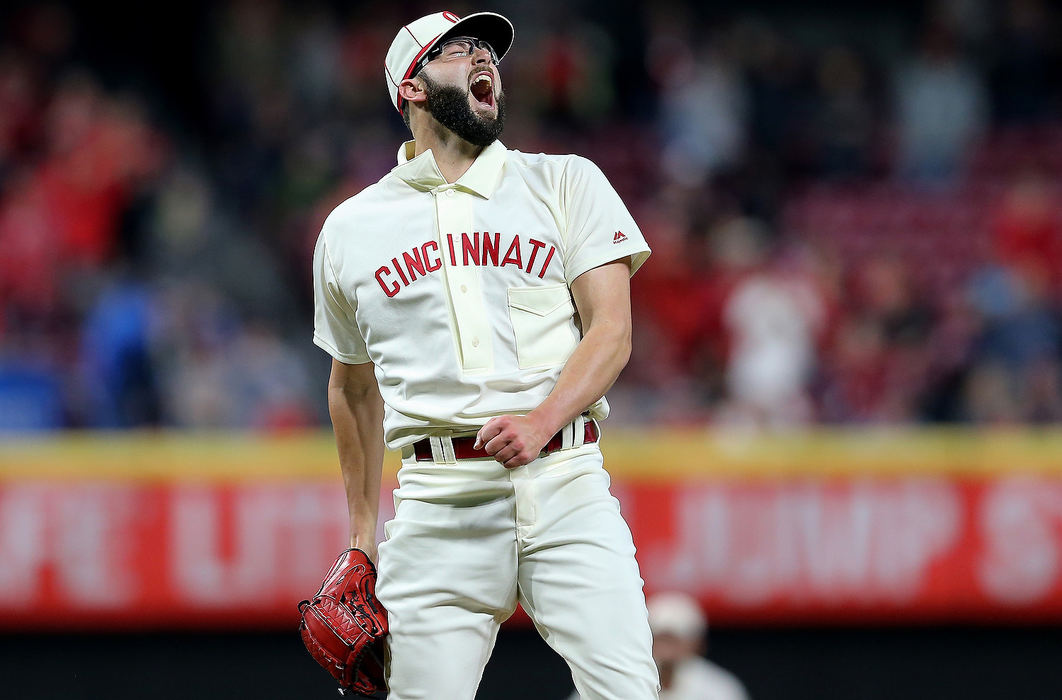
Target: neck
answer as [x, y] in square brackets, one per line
[453, 154]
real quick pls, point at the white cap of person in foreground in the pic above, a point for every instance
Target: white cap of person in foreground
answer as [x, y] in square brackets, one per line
[679, 641]
[679, 629]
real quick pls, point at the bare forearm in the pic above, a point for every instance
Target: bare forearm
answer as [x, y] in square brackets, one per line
[591, 371]
[602, 296]
[357, 418]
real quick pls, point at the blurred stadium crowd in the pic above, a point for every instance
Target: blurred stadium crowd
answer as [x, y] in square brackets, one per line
[855, 217]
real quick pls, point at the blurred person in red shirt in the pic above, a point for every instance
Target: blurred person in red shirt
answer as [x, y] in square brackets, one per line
[876, 368]
[1026, 231]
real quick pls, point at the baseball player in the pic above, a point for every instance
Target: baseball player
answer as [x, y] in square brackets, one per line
[476, 305]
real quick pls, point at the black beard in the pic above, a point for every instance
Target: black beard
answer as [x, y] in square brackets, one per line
[449, 105]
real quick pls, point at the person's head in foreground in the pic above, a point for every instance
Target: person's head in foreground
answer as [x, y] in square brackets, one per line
[678, 627]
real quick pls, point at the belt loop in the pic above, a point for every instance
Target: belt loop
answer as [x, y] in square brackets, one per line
[578, 431]
[436, 449]
[567, 436]
[442, 450]
[449, 454]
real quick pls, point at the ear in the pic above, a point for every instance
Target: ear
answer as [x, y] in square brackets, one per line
[412, 90]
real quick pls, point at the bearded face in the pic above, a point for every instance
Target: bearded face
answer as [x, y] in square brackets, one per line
[450, 106]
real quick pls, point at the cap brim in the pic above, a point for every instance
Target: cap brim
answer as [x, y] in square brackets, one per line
[488, 26]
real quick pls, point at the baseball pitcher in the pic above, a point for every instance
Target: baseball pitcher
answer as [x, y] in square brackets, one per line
[476, 305]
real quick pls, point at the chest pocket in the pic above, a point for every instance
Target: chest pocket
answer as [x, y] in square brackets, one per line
[542, 322]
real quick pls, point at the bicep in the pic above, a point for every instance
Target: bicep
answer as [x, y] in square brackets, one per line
[603, 294]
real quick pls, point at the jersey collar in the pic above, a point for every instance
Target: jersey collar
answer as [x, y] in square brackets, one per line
[422, 173]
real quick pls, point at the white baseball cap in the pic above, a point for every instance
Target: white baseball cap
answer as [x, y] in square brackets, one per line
[678, 614]
[417, 38]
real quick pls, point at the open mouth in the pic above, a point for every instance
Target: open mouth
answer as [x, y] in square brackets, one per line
[482, 88]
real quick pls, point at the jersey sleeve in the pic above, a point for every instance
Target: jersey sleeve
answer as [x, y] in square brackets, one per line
[334, 328]
[599, 227]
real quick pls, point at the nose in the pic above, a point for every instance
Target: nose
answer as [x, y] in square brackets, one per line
[480, 54]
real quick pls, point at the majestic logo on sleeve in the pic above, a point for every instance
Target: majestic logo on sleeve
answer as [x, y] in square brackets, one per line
[530, 255]
[619, 237]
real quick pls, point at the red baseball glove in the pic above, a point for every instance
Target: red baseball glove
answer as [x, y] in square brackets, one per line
[344, 627]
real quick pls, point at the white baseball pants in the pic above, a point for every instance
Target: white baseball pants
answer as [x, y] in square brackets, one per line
[470, 538]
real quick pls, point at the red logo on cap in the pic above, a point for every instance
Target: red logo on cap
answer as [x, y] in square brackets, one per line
[450, 16]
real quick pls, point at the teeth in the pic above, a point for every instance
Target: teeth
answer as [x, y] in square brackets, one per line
[482, 77]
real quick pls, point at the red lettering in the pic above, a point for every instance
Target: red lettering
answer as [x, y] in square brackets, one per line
[427, 261]
[511, 259]
[490, 248]
[535, 245]
[388, 290]
[413, 262]
[398, 269]
[545, 264]
[468, 246]
[450, 241]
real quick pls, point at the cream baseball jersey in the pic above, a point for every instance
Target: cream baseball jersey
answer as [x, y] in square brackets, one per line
[459, 293]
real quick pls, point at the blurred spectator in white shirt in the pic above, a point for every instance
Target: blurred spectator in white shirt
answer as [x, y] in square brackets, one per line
[772, 320]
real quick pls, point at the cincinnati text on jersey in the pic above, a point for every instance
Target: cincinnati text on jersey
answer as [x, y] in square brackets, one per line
[486, 249]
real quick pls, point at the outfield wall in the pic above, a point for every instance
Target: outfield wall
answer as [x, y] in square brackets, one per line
[230, 531]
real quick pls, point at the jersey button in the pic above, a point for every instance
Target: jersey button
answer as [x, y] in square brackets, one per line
[475, 342]
[464, 289]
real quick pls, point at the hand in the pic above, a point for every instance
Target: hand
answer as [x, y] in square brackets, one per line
[513, 440]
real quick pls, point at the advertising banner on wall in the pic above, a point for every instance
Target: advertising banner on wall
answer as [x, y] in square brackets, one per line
[233, 532]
